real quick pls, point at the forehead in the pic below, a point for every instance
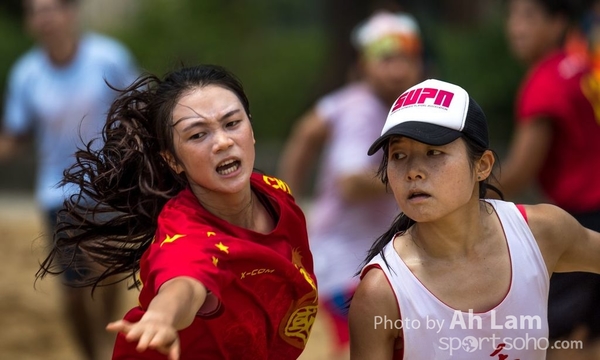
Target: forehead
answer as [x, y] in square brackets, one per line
[210, 100]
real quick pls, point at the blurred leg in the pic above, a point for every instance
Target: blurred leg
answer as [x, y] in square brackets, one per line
[108, 302]
[76, 303]
[87, 316]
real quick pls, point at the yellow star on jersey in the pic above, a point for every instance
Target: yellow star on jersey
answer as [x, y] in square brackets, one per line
[222, 247]
[215, 261]
[210, 233]
[170, 239]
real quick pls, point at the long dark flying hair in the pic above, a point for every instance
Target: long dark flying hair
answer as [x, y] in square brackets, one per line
[402, 222]
[121, 187]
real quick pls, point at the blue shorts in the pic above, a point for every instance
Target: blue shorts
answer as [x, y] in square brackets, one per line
[75, 266]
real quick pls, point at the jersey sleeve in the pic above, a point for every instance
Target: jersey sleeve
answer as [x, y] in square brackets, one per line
[540, 97]
[184, 248]
[17, 116]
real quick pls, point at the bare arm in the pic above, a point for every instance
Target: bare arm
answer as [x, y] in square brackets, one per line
[527, 153]
[358, 187]
[565, 244]
[9, 146]
[172, 309]
[372, 301]
[300, 155]
[301, 150]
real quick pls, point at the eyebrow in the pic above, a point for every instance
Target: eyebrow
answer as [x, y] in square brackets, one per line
[224, 117]
[395, 139]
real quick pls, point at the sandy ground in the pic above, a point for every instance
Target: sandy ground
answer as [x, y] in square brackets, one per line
[31, 322]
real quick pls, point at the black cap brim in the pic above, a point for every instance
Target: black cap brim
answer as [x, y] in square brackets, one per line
[420, 131]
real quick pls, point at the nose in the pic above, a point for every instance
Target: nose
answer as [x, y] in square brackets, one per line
[414, 169]
[222, 141]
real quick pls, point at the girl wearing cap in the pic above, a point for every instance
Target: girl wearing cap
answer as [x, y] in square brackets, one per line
[221, 251]
[457, 276]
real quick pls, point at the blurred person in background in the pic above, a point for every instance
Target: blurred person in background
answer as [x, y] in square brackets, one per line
[557, 142]
[351, 207]
[58, 93]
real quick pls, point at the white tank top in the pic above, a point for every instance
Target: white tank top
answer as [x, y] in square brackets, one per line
[517, 328]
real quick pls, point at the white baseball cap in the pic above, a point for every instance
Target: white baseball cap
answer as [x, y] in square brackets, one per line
[434, 112]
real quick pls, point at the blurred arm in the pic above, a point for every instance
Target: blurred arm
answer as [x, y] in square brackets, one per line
[527, 153]
[358, 187]
[301, 151]
[9, 146]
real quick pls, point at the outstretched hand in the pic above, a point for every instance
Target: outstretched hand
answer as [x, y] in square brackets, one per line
[151, 333]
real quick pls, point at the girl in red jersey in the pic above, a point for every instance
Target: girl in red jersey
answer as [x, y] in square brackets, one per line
[556, 146]
[220, 251]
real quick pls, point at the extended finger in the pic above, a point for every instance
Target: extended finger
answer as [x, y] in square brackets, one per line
[119, 326]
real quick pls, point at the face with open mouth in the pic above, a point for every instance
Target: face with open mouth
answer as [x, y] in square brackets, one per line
[430, 181]
[213, 140]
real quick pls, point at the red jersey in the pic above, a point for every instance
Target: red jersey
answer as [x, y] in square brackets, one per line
[264, 284]
[560, 88]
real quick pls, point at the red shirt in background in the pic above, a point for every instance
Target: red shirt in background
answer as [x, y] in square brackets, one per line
[264, 295]
[558, 89]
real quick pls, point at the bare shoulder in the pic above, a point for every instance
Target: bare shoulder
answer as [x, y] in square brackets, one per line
[549, 221]
[555, 232]
[313, 123]
[373, 302]
[374, 289]
[373, 298]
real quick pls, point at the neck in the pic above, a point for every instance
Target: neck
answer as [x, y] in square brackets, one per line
[62, 52]
[237, 209]
[455, 237]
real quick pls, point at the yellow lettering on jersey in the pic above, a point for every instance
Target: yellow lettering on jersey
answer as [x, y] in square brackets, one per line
[222, 247]
[297, 261]
[277, 184]
[256, 272]
[170, 239]
[300, 323]
[310, 281]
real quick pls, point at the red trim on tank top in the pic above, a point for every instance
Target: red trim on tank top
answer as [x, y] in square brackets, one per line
[523, 212]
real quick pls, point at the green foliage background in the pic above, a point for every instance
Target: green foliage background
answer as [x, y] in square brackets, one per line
[278, 48]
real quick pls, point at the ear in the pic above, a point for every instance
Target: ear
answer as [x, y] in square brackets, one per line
[171, 161]
[485, 165]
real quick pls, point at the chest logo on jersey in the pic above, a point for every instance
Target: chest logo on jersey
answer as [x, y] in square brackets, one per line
[296, 326]
[277, 184]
